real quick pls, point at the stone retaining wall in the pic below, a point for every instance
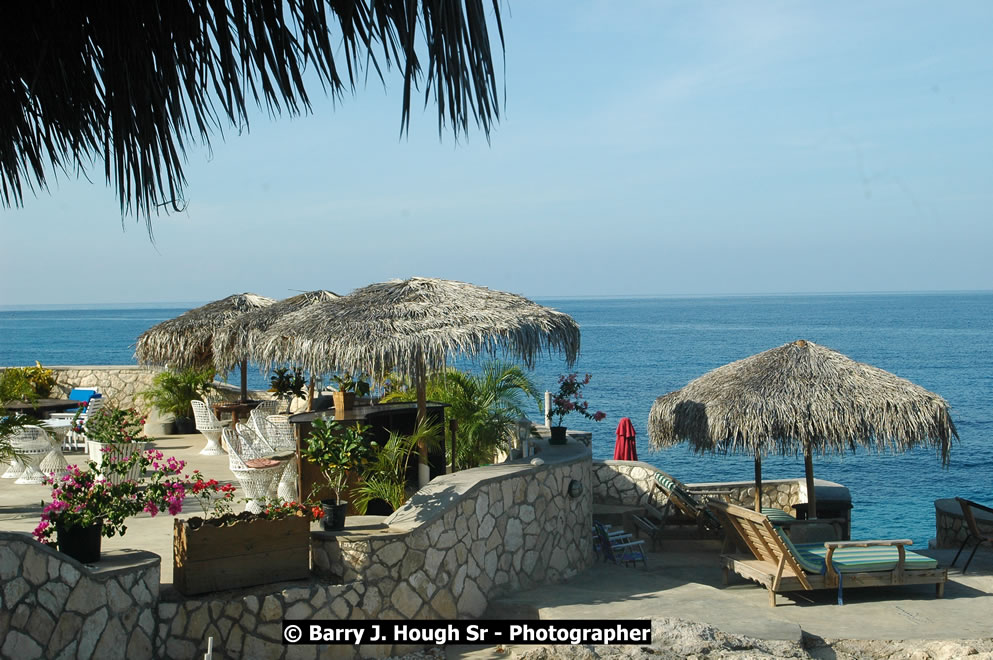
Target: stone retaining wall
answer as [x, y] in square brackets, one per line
[119, 383]
[461, 541]
[950, 526]
[51, 606]
[632, 483]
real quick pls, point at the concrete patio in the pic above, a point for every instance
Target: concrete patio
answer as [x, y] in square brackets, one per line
[682, 580]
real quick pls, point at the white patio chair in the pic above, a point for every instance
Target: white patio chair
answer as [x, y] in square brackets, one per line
[208, 424]
[258, 483]
[261, 411]
[74, 440]
[55, 461]
[33, 444]
[14, 470]
[280, 437]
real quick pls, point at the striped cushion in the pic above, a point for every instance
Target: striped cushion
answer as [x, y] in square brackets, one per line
[777, 516]
[811, 556]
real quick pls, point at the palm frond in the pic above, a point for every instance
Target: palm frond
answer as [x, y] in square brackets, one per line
[132, 84]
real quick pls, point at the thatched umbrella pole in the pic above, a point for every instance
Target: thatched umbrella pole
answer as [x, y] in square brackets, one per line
[423, 469]
[758, 481]
[808, 473]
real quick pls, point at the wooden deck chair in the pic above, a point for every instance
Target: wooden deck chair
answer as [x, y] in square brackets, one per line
[975, 534]
[681, 501]
[781, 566]
[652, 523]
[619, 547]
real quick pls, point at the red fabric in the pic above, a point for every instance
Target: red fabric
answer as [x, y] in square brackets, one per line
[624, 448]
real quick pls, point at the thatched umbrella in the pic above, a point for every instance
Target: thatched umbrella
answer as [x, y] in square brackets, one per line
[411, 327]
[188, 339]
[800, 397]
[236, 339]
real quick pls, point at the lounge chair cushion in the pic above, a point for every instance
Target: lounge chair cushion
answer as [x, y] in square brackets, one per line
[82, 395]
[777, 516]
[811, 556]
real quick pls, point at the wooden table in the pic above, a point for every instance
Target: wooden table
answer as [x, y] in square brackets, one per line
[41, 408]
[236, 408]
[617, 514]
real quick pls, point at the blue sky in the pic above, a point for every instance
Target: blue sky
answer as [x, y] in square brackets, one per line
[645, 148]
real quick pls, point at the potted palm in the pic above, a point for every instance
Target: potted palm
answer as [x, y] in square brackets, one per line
[567, 400]
[338, 450]
[172, 391]
[287, 384]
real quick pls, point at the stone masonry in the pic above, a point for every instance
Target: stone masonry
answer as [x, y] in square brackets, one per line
[632, 483]
[51, 606]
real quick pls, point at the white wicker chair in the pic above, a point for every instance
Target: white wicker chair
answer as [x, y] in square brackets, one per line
[77, 441]
[258, 483]
[280, 436]
[34, 444]
[208, 424]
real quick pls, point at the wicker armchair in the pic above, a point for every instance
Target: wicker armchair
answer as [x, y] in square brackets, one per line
[258, 476]
[280, 436]
[208, 424]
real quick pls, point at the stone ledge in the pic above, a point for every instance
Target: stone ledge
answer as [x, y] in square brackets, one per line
[112, 562]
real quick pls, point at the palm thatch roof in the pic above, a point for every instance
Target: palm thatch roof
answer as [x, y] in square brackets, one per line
[235, 340]
[132, 84]
[393, 325]
[188, 339]
[801, 395]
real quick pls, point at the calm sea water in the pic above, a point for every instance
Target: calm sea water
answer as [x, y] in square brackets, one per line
[638, 349]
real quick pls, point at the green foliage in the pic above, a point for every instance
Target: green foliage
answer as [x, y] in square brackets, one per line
[285, 382]
[15, 385]
[111, 424]
[486, 406]
[339, 449]
[346, 383]
[172, 391]
[386, 477]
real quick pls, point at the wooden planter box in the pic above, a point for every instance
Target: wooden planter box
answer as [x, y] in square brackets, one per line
[242, 554]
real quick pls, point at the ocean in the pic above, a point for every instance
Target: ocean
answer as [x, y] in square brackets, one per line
[639, 348]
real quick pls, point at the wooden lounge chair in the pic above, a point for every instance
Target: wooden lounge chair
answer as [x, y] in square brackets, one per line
[975, 534]
[690, 505]
[781, 566]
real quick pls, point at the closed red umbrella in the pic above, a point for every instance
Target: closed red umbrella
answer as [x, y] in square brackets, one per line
[624, 449]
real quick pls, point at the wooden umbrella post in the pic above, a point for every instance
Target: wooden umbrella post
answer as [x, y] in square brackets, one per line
[423, 469]
[244, 380]
[758, 482]
[808, 468]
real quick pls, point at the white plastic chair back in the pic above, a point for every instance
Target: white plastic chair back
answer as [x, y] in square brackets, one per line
[34, 444]
[204, 417]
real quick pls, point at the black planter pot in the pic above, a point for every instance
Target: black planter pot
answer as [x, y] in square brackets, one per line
[184, 425]
[80, 543]
[558, 436]
[334, 515]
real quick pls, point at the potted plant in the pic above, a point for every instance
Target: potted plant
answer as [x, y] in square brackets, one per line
[114, 433]
[287, 384]
[172, 391]
[386, 478]
[567, 400]
[89, 504]
[337, 449]
[223, 550]
[348, 389]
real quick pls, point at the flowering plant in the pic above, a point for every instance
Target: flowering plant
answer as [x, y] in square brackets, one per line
[82, 498]
[114, 425]
[569, 399]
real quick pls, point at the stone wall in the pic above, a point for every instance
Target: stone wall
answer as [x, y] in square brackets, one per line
[120, 384]
[51, 606]
[632, 483]
[461, 541]
[950, 526]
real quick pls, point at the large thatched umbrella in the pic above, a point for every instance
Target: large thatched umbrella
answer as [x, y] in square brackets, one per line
[800, 397]
[412, 326]
[188, 339]
[236, 339]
